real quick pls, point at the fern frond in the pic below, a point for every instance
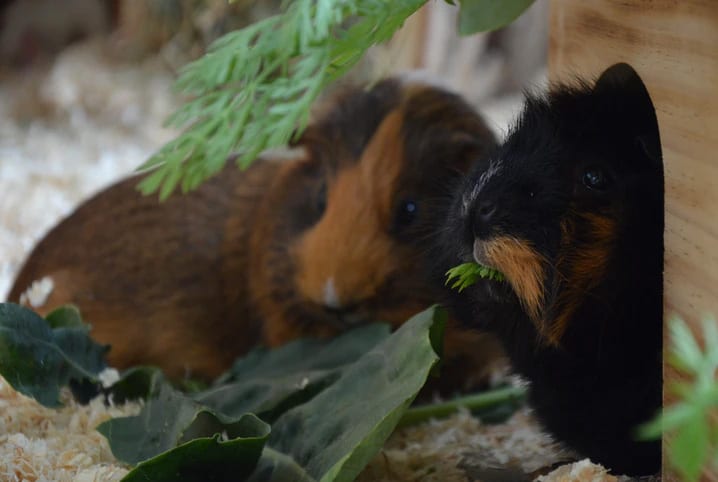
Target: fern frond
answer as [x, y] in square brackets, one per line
[254, 88]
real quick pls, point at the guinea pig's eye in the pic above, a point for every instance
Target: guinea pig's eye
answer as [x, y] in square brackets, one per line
[595, 177]
[320, 201]
[405, 213]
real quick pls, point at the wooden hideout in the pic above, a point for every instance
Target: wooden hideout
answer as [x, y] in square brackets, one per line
[673, 45]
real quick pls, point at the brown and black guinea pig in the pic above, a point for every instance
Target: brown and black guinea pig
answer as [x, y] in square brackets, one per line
[310, 246]
[570, 209]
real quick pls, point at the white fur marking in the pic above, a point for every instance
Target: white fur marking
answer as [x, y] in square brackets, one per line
[331, 297]
[38, 292]
[494, 168]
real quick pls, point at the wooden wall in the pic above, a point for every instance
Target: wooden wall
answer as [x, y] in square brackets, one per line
[673, 44]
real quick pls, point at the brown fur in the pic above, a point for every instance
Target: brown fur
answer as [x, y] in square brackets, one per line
[360, 205]
[157, 280]
[194, 282]
[523, 267]
[583, 269]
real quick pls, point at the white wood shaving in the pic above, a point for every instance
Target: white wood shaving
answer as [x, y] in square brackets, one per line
[39, 444]
[581, 471]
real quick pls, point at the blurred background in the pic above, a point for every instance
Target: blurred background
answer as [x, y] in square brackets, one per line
[85, 86]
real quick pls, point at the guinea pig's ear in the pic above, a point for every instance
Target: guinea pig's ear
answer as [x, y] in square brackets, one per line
[630, 107]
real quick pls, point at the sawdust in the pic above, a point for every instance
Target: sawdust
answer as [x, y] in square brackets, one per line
[43, 444]
[67, 131]
[460, 448]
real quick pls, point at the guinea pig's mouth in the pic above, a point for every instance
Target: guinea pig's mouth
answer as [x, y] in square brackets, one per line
[348, 318]
[480, 254]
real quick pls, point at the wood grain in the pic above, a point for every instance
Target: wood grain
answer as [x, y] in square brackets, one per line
[674, 47]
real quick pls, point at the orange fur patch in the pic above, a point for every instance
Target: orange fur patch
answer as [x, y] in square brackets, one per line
[350, 244]
[523, 267]
[582, 268]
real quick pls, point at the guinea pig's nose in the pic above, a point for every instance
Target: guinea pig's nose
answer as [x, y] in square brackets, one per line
[483, 215]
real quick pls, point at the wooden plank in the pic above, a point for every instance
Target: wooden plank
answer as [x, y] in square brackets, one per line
[673, 44]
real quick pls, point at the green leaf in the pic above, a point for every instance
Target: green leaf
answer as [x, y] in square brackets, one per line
[269, 382]
[327, 436]
[685, 352]
[37, 360]
[334, 435]
[67, 316]
[486, 15]
[276, 466]
[171, 421]
[690, 420]
[231, 455]
[254, 88]
[689, 449]
[468, 274]
[671, 418]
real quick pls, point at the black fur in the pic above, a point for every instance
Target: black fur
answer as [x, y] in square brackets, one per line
[603, 378]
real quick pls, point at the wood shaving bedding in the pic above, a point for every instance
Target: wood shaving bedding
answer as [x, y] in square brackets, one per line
[460, 448]
[39, 444]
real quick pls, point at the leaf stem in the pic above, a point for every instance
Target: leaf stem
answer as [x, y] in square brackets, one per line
[473, 402]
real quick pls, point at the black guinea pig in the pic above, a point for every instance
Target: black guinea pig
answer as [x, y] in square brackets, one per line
[570, 209]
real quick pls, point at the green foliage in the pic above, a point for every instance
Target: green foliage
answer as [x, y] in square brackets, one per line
[366, 402]
[323, 425]
[485, 15]
[479, 403]
[172, 420]
[692, 419]
[255, 86]
[37, 358]
[67, 316]
[468, 274]
[270, 382]
[208, 458]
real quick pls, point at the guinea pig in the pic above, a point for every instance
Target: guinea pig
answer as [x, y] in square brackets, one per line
[310, 246]
[570, 210]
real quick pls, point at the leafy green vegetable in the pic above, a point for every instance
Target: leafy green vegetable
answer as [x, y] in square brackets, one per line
[269, 383]
[328, 434]
[484, 15]
[208, 459]
[37, 360]
[174, 438]
[172, 420]
[254, 88]
[67, 316]
[276, 466]
[695, 443]
[334, 435]
[468, 274]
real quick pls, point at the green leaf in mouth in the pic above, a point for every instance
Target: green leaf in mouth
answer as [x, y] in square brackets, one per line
[467, 274]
